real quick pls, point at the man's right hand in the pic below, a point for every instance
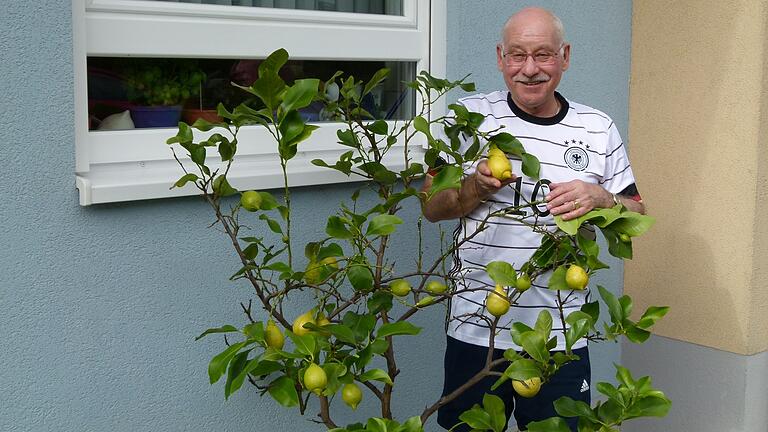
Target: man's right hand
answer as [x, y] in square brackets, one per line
[455, 203]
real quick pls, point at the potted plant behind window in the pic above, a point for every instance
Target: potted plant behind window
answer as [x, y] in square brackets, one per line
[158, 88]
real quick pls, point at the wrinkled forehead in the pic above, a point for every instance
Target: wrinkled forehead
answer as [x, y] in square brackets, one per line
[541, 31]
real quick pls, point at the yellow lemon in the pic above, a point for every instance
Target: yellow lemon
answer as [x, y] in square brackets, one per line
[523, 282]
[497, 302]
[351, 395]
[495, 152]
[273, 336]
[298, 323]
[400, 287]
[528, 388]
[500, 167]
[315, 378]
[250, 200]
[576, 277]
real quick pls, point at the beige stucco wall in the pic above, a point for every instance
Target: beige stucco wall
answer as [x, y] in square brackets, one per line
[698, 145]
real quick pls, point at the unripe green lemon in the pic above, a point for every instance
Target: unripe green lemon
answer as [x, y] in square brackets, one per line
[576, 277]
[426, 301]
[250, 200]
[315, 378]
[351, 395]
[528, 388]
[625, 237]
[273, 336]
[435, 287]
[400, 287]
[523, 282]
[497, 302]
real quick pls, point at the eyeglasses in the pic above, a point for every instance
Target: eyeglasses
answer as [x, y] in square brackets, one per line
[518, 58]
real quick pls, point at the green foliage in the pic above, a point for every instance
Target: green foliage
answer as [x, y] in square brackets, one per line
[162, 81]
[354, 320]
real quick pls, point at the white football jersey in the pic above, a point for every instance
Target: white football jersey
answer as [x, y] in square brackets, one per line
[578, 143]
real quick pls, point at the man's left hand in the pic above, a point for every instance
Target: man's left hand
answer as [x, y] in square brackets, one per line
[575, 198]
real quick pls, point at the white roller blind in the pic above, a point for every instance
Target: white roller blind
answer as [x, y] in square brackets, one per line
[382, 7]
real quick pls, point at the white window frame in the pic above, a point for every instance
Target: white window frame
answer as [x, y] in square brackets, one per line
[112, 166]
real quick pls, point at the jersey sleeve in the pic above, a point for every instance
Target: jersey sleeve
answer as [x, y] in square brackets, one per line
[618, 176]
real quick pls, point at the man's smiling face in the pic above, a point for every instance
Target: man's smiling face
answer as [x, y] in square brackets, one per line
[532, 35]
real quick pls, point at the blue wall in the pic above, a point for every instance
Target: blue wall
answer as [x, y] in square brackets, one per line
[99, 305]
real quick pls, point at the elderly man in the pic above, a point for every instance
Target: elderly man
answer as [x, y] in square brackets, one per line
[584, 165]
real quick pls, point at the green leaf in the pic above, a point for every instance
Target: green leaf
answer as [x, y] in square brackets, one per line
[544, 323]
[268, 201]
[273, 224]
[360, 324]
[305, 344]
[614, 307]
[379, 127]
[283, 390]
[653, 406]
[224, 329]
[300, 94]
[531, 166]
[449, 177]
[333, 371]
[501, 272]
[222, 187]
[592, 309]
[377, 78]
[234, 376]
[610, 391]
[413, 424]
[380, 301]
[383, 224]
[348, 138]
[477, 419]
[535, 344]
[624, 376]
[568, 407]
[258, 367]
[557, 280]
[341, 332]
[375, 375]
[254, 331]
[651, 315]
[398, 328]
[422, 125]
[570, 227]
[219, 363]
[336, 228]
[637, 335]
[360, 276]
[633, 224]
[518, 330]
[522, 369]
[576, 331]
[552, 424]
[184, 135]
[184, 180]
[494, 406]
[507, 143]
[291, 127]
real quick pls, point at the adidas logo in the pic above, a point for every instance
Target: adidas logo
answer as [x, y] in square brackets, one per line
[584, 386]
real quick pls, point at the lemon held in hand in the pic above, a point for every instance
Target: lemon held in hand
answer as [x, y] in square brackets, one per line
[250, 200]
[351, 395]
[497, 302]
[315, 378]
[528, 388]
[576, 277]
[500, 167]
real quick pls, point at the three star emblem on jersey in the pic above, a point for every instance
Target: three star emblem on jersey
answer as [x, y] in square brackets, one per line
[576, 158]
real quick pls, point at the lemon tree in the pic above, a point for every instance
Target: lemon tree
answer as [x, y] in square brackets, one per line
[343, 345]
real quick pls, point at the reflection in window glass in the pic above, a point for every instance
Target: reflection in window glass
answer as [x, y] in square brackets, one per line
[382, 7]
[126, 93]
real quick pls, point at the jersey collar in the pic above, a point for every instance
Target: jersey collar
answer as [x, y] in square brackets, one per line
[544, 121]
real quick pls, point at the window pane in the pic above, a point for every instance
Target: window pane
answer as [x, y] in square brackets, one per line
[126, 93]
[382, 7]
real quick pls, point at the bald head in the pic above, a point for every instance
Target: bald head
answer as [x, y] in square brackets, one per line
[533, 17]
